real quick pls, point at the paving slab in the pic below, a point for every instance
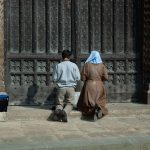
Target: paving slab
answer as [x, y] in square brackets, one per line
[120, 130]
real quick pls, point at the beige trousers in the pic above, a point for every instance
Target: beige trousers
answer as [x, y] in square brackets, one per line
[65, 99]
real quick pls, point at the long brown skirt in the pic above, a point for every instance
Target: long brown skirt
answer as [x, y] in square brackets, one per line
[92, 95]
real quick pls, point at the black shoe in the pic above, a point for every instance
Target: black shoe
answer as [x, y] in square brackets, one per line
[98, 113]
[58, 111]
[63, 116]
[57, 115]
[95, 117]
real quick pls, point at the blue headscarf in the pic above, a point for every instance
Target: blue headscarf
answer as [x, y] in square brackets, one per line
[94, 58]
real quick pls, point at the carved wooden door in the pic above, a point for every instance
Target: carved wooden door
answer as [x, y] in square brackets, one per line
[113, 28]
[38, 30]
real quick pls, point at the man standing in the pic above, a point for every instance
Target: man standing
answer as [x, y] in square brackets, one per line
[66, 74]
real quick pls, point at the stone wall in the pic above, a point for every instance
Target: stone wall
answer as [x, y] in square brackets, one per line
[2, 87]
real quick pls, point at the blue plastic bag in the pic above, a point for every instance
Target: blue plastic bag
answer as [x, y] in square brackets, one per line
[4, 98]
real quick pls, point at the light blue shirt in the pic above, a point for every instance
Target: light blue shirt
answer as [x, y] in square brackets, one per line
[66, 74]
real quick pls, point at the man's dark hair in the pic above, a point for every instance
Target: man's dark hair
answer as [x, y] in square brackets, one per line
[66, 54]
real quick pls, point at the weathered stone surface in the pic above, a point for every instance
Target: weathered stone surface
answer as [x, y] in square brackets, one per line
[42, 113]
[2, 88]
[125, 128]
[3, 116]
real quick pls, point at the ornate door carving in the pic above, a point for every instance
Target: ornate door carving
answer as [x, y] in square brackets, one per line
[146, 51]
[38, 30]
[113, 28]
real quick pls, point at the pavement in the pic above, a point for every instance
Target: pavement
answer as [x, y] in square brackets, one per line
[127, 127]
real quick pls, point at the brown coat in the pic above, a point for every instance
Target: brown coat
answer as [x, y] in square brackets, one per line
[93, 92]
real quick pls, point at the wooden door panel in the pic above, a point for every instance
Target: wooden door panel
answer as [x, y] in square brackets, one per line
[38, 30]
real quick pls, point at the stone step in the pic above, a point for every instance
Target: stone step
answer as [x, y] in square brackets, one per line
[43, 112]
[106, 143]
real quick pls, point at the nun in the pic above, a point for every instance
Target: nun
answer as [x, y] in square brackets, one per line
[92, 99]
